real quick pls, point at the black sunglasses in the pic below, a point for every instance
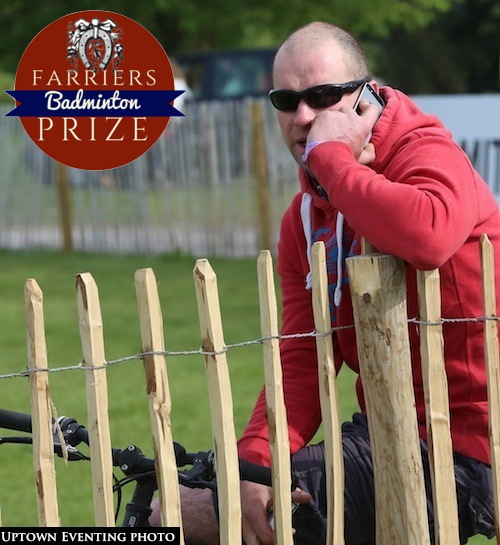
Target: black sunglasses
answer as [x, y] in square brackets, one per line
[321, 96]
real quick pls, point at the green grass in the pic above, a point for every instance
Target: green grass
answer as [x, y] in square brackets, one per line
[128, 411]
[129, 419]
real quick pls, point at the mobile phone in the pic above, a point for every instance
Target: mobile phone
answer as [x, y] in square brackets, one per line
[368, 93]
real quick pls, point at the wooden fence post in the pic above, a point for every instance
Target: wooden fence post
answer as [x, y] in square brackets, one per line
[160, 403]
[41, 411]
[275, 404]
[442, 468]
[492, 367]
[63, 190]
[221, 403]
[91, 334]
[209, 144]
[261, 176]
[378, 290]
[334, 455]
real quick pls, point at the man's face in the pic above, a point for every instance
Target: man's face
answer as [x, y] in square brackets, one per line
[318, 66]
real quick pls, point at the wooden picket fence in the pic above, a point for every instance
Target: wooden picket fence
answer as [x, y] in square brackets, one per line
[378, 289]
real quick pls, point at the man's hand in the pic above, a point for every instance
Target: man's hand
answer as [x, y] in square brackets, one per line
[345, 125]
[256, 500]
[256, 503]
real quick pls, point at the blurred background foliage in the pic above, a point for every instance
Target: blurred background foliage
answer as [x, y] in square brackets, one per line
[420, 46]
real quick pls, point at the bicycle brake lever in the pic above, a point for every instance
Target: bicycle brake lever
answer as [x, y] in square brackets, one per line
[72, 454]
[201, 473]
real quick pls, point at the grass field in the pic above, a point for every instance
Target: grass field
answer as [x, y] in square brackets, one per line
[128, 411]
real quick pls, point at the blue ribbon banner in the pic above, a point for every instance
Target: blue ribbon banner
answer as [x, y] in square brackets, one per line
[84, 103]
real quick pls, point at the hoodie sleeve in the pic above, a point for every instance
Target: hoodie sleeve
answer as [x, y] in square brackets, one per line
[428, 194]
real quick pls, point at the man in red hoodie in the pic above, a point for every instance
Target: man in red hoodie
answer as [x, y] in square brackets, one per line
[401, 182]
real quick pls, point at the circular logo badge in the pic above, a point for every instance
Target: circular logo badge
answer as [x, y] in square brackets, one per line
[94, 90]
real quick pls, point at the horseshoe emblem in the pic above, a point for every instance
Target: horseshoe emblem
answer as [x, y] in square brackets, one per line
[86, 32]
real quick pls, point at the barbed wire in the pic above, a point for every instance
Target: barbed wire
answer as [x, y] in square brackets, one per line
[213, 353]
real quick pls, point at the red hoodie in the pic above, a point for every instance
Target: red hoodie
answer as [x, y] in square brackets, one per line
[421, 200]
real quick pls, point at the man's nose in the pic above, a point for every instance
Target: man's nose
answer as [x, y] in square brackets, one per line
[304, 113]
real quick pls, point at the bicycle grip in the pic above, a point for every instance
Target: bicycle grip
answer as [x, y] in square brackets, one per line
[12, 420]
[260, 474]
[255, 473]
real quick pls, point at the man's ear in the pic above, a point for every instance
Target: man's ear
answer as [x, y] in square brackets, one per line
[375, 85]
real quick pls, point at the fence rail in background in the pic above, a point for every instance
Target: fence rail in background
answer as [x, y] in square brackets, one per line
[216, 183]
[378, 289]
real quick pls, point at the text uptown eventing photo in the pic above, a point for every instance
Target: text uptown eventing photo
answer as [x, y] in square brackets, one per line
[108, 535]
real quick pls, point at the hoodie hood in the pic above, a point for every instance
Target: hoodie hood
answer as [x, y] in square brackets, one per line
[399, 124]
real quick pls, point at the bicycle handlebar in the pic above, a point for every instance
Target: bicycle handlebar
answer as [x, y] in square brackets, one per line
[75, 433]
[133, 463]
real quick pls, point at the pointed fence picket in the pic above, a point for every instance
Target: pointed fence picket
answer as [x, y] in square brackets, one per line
[493, 367]
[160, 403]
[437, 410]
[334, 462]
[276, 414]
[378, 291]
[41, 410]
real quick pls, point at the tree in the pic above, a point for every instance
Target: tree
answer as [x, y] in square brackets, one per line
[421, 46]
[199, 25]
[458, 53]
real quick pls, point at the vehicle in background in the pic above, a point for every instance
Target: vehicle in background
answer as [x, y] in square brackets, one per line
[234, 74]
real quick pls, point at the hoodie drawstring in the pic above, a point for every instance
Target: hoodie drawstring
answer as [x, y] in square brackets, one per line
[305, 215]
[339, 231]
